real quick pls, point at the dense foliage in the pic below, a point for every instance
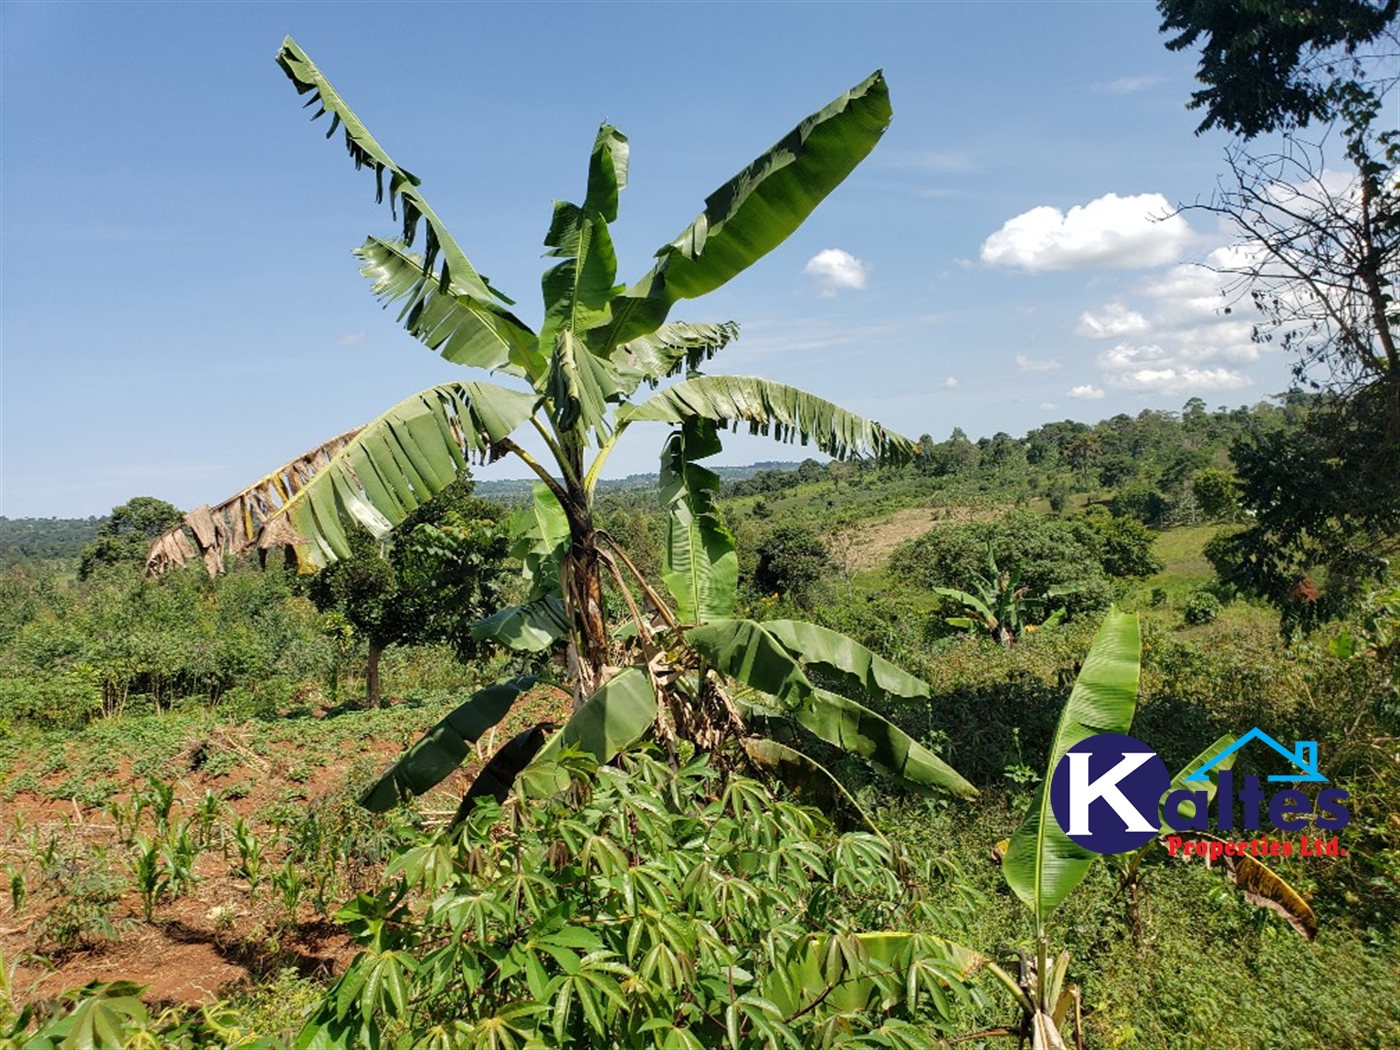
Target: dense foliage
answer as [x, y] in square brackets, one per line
[645, 906]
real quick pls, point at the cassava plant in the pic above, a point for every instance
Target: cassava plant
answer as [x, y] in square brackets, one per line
[683, 667]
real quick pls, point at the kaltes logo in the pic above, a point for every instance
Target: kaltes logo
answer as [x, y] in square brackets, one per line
[1111, 793]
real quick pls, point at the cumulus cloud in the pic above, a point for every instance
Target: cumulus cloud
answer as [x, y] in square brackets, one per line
[1155, 369]
[1112, 322]
[351, 339]
[1110, 232]
[836, 269]
[951, 382]
[1086, 392]
[1031, 364]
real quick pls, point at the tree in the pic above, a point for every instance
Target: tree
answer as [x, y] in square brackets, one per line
[578, 377]
[1271, 65]
[125, 535]
[435, 576]
[791, 560]
[1318, 256]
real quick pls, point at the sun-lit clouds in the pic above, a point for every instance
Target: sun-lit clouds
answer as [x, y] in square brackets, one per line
[1032, 364]
[1153, 369]
[1086, 392]
[837, 269]
[951, 383]
[1109, 232]
[1112, 322]
[350, 339]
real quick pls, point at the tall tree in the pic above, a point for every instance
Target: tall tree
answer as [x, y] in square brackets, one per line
[1318, 256]
[125, 535]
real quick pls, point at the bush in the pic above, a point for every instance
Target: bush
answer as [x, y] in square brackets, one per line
[646, 906]
[1050, 553]
[1201, 608]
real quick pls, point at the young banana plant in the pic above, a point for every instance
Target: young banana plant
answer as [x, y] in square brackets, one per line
[1043, 866]
[693, 671]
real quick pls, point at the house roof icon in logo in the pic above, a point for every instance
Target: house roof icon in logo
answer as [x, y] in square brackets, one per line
[1303, 755]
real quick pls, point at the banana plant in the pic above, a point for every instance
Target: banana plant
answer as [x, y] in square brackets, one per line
[589, 372]
[1002, 607]
[1043, 866]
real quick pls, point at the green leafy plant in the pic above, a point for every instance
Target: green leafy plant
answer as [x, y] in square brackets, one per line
[1043, 866]
[1002, 607]
[693, 673]
[251, 862]
[644, 906]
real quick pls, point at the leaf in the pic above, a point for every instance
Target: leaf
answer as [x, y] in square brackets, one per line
[462, 328]
[773, 408]
[579, 387]
[615, 717]
[810, 781]
[541, 538]
[457, 277]
[498, 775]
[391, 466]
[670, 350]
[529, 628]
[698, 562]
[744, 650]
[852, 986]
[1043, 865]
[1179, 783]
[756, 210]
[232, 527]
[1264, 888]
[443, 747]
[854, 663]
[862, 732]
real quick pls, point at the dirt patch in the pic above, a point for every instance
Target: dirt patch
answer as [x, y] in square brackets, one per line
[869, 545]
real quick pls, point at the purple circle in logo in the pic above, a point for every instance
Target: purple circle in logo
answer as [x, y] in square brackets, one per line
[1106, 793]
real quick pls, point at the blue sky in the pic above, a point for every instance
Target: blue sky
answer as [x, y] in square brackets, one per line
[181, 313]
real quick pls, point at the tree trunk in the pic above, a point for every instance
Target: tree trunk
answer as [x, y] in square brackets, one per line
[372, 674]
[583, 597]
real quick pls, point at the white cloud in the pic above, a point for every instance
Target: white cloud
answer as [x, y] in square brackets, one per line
[1087, 392]
[1154, 369]
[1031, 364]
[1112, 322]
[1112, 232]
[1129, 85]
[1047, 406]
[351, 339]
[837, 268]
[951, 382]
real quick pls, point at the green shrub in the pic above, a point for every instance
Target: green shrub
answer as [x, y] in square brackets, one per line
[1201, 608]
[1050, 553]
[645, 906]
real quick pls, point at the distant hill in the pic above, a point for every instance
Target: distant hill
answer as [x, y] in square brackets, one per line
[516, 490]
[44, 539]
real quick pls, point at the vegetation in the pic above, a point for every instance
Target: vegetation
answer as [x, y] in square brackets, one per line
[691, 777]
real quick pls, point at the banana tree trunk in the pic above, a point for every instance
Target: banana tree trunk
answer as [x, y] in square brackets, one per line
[372, 673]
[583, 597]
